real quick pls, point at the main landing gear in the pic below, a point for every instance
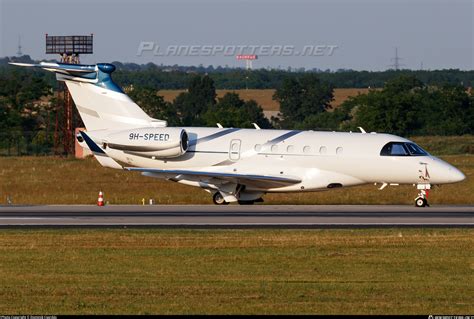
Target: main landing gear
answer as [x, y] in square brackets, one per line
[218, 199]
[421, 200]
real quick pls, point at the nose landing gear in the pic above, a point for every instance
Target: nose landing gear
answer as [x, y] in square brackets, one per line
[421, 200]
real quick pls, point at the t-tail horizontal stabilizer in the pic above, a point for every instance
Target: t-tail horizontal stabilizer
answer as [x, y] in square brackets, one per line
[99, 153]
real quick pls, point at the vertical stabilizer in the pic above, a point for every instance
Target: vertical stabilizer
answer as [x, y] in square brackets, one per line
[101, 102]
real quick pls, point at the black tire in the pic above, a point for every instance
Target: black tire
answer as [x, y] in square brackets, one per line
[420, 202]
[218, 199]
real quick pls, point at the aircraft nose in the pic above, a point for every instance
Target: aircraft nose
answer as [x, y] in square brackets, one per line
[456, 175]
[447, 173]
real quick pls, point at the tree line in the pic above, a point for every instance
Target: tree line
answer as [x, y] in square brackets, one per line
[199, 106]
[270, 79]
[404, 106]
[178, 77]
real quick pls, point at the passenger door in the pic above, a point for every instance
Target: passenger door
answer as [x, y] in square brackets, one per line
[234, 150]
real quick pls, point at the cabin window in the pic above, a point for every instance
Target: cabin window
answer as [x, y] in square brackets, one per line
[339, 150]
[323, 150]
[307, 149]
[290, 149]
[402, 149]
[274, 148]
[258, 148]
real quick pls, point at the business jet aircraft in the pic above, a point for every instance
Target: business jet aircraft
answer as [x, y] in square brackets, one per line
[239, 165]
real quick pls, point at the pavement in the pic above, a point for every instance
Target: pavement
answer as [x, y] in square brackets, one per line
[236, 216]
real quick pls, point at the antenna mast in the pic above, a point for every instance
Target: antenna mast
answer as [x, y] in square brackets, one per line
[19, 53]
[68, 48]
[396, 61]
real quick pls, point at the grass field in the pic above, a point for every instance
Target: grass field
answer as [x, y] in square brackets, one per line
[264, 97]
[385, 271]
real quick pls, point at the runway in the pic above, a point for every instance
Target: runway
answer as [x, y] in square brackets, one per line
[235, 216]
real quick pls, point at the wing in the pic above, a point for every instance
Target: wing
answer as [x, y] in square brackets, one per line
[261, 181]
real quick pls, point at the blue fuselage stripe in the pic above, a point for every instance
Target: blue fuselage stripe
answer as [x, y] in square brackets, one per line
[212, 136]
[283, 137]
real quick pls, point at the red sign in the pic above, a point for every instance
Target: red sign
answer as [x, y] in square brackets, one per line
[246, 57]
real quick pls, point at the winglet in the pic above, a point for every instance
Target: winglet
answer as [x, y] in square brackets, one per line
[22, 64]
[99, 153]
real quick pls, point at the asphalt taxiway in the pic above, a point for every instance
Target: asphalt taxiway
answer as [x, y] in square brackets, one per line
[235, 216]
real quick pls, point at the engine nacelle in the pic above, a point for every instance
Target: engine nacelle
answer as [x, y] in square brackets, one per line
[159, 142]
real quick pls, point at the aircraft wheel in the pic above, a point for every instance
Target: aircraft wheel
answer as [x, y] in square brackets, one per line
[420, 202]
[218, 199]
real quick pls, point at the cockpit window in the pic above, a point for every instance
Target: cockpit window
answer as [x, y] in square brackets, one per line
[415, 149]
[402, 149]
[394, 149]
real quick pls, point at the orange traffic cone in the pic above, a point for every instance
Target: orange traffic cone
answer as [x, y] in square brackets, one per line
[100, 200]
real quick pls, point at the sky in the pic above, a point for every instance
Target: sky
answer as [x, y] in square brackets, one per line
[336, 34]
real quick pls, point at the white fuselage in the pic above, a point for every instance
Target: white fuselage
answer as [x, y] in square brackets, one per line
[321, 160]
